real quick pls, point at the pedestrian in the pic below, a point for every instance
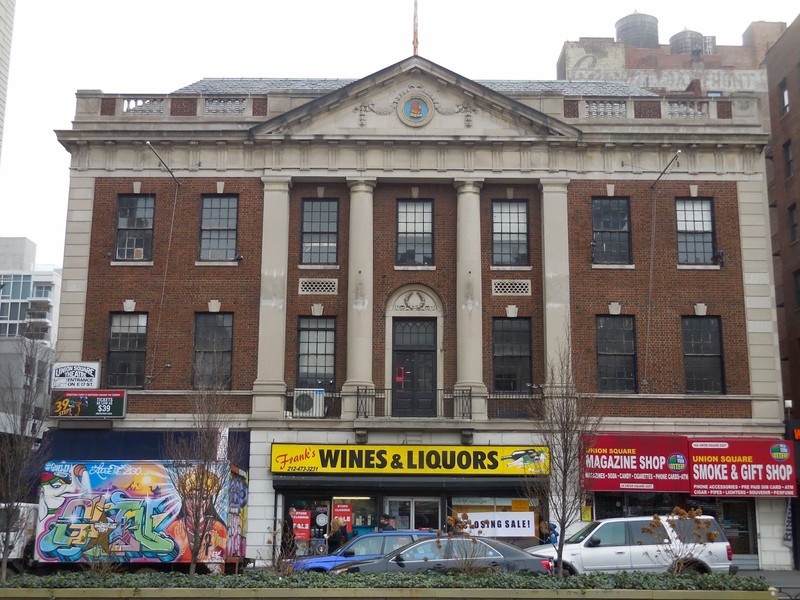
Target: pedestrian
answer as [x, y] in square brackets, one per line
[288, 542]
[386, 523]
[544, 530]
[337, 536]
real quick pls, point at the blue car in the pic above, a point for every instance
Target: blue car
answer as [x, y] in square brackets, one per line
[362, 547]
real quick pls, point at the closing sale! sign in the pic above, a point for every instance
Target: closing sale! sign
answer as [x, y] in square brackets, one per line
[701, 467]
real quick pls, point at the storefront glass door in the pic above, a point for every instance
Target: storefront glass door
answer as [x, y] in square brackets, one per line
[414, 513]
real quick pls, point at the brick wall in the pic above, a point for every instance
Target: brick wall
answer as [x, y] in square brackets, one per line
[674, 291]
[186, 288]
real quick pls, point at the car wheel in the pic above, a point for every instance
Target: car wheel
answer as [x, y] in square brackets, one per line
[694, 568]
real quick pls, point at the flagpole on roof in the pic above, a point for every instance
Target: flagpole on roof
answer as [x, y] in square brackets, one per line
[416, 38]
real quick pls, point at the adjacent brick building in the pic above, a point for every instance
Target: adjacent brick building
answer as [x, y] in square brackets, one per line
[784, 191]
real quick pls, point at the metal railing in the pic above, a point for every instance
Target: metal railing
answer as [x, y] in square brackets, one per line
[515, 405]
[442, 404]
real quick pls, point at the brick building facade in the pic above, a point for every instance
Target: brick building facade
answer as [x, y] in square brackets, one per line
[784, 190]
[397, 259]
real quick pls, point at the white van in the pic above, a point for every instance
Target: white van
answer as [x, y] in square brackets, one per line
[639, 544]
[23, 524]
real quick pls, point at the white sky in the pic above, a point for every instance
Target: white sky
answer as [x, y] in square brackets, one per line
[60, 46]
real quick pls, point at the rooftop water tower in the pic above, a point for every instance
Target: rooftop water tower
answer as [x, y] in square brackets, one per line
[638, 30]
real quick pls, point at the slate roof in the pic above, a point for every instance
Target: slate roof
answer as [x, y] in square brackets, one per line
[259, 87]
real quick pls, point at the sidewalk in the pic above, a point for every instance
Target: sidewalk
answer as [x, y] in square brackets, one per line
[788, 582]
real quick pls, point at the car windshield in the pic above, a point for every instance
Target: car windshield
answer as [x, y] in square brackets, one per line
[577, 538]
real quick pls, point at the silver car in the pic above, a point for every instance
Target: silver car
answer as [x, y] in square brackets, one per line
[446, 554]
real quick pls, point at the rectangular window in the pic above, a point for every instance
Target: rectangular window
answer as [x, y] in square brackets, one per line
[414, 232]
[316, 352]
[126, 350]
[511, 353]
[320, 233]
[793, 231]
[510, 233]
[42, 290]
[616, 353]
[611, 231]
[796, 276]
[213, 346]
[218, 226]
[702, 355]
[135, 227]
[14, 293]
[696, 245]
[783, 97]
[788, 160]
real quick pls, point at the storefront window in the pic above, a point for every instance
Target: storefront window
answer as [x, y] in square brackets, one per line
[359, 512]
[642, 504]
[414, 513]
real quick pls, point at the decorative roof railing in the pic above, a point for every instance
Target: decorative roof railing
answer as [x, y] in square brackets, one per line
[571, 109]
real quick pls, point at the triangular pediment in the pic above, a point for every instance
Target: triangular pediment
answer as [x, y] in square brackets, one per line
[414, 98]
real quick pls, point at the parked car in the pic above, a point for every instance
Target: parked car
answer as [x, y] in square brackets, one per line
[627, 544]
[364, 546]
[451, 554]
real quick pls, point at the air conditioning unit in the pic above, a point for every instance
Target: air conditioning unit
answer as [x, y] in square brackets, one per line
[309, 404]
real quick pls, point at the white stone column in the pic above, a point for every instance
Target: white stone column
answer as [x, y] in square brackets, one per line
[555, 267]
[270, 382]
[359, 287]
[469, 320]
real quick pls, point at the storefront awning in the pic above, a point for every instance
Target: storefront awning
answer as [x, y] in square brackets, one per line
[372, 484]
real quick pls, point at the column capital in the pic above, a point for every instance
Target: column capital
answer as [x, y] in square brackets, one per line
[362, 184]
[277, 184]
[553, 183]
[468, 185]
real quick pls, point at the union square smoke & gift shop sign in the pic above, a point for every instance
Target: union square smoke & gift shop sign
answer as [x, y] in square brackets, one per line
[698, 466]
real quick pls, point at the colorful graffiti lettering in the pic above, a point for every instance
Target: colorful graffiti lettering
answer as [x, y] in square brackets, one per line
[118, 512]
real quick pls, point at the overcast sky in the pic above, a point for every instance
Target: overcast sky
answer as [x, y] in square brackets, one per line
[157, 47]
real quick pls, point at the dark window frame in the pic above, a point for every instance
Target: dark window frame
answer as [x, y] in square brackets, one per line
[512, 354]
[218, 239]
[314, 333]
[127, 350]
[317, 232]
[509, 247]
[783, 97]
[703, 355]
[615, 337]
[611, 230]
[794, 227]
[135, 226]
[796, 281]
[415, 236]
[697, 245]
[788, 159]
[213, 348]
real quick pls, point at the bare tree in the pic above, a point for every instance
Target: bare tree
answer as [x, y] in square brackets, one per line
[567, 425]
[693, 536]
[24, 399]
[198, 459]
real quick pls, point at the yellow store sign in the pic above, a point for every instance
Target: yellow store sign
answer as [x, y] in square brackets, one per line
[331, 459]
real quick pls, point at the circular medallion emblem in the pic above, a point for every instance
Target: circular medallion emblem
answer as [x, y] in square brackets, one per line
[676, 462]
[416, 110]
[779, 451]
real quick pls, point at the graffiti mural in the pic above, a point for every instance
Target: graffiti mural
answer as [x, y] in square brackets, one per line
[127, 511]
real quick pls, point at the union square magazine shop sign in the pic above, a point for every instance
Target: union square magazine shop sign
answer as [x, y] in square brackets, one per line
[700, 467]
